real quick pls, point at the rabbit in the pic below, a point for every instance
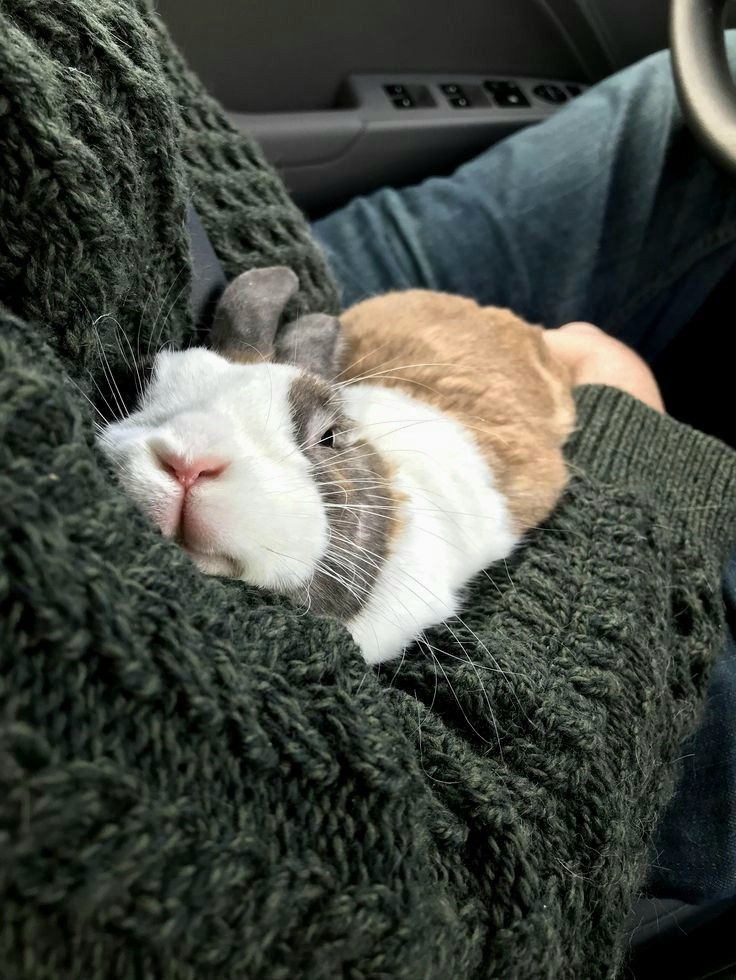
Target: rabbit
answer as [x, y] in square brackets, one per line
[367, 467]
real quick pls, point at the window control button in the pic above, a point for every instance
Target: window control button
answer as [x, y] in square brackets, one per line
[511, 99]
[452, 89]
[506, 94]
[550, 93]
[394, 90]
[460, 102]
[404, 102]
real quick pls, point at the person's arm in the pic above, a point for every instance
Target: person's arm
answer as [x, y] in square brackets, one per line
[198, 780]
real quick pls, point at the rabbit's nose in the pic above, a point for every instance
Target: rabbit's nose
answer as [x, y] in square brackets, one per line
[188, 471]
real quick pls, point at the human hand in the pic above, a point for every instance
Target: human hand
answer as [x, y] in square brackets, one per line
[594, 357]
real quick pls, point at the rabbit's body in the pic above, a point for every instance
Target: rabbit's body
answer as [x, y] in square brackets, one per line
[368, 469]
[448, 519]
[469, 411]
[483, 366]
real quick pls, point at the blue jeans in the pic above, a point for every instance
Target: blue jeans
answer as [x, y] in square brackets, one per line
[607, 212]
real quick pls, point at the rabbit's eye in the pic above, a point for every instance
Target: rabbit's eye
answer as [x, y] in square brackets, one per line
[328, 439]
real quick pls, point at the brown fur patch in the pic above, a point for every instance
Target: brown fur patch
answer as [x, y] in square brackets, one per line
[483, 365]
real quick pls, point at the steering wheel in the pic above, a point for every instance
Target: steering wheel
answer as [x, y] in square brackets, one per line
[702, 75]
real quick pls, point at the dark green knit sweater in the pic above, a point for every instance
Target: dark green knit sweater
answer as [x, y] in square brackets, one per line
[195, 781]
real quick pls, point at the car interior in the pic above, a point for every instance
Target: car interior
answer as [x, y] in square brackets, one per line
[361, 95]
[345, 97]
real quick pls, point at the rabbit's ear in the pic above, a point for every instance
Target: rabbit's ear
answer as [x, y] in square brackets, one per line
[248, 313]
[313, 342]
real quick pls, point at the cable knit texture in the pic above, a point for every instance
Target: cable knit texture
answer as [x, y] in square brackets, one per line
[199, 783]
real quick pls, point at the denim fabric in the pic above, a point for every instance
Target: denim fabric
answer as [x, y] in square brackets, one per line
[695, 845]
[607, 212]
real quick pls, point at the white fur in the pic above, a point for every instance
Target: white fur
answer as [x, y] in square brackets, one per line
[455, 521]
[246, 522]
[262, 519]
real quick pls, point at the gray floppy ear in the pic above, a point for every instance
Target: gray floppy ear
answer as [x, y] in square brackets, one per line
[313, 342]
[247, 316]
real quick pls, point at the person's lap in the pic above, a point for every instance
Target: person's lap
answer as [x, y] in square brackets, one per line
[608, 212]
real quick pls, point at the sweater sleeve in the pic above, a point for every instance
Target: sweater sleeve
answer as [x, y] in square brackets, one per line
[547, 720]
[198, 782]
[621, 441]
